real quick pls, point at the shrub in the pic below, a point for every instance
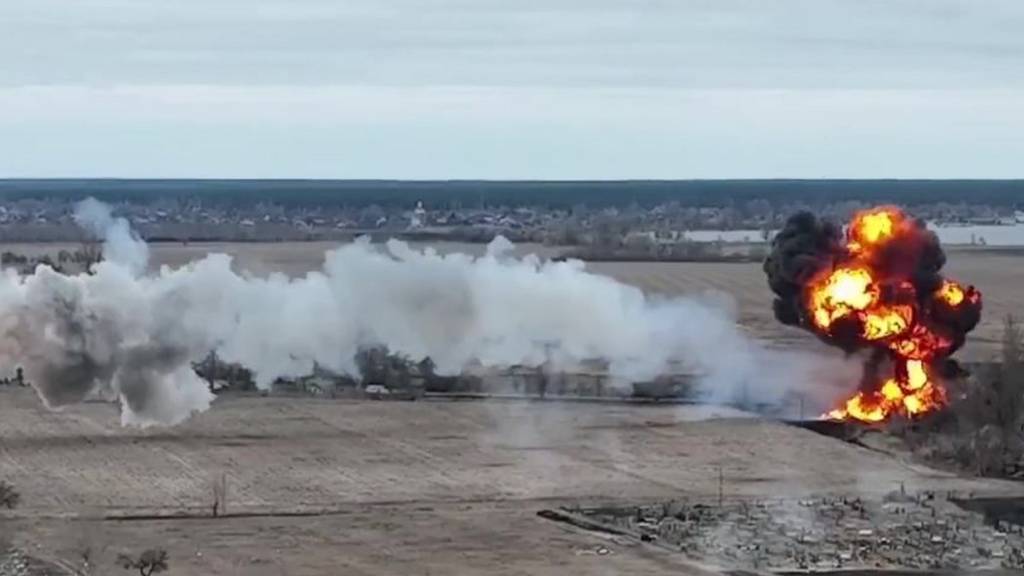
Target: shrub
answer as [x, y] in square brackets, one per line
[149, 562]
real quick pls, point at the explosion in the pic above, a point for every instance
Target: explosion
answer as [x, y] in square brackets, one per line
[876, 288]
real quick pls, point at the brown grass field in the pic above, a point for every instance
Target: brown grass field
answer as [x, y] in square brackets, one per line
[340, 487]
[322, 487]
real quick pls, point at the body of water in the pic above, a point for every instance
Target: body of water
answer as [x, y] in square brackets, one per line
[990, 235]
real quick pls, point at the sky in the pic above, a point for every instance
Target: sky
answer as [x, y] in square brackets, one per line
[512, 89]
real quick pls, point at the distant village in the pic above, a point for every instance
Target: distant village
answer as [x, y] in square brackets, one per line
[40, 220]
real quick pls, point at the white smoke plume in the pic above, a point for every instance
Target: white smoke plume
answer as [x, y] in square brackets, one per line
[132, 335]
[121, 244]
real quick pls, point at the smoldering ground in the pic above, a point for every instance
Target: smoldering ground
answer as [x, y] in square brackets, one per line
[125, 333]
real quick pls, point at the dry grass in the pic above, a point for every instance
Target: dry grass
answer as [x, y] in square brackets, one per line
[294, 455]
[424, 487]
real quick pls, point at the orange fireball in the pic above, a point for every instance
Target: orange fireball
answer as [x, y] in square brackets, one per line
[844, 291]
[873, 228]
[887, 322]
[891, 314]
[951, 293]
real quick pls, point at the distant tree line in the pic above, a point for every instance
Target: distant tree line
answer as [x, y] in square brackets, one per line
[67, 261]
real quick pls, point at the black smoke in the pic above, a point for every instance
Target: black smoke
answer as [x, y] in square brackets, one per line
[800, 251]
[808, 247]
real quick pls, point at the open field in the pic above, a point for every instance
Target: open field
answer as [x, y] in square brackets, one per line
[404, 488]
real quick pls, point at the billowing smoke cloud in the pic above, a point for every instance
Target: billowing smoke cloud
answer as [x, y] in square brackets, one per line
[905, 262]
[104, 333]
[123, 333]
[121, 244]
[879, 288]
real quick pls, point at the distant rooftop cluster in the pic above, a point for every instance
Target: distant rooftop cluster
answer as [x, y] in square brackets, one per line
[573, 213]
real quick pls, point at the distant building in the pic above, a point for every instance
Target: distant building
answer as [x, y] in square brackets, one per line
[418, 217]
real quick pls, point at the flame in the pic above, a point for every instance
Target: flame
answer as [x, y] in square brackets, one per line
[890, 315]
[842, 292]
[863, 407]
[873, 228]
[852, 292]
[914, 394]
[921, 343]
[951, 293]
[887, 322]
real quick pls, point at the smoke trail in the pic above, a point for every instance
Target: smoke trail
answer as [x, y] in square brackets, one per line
[122, 333]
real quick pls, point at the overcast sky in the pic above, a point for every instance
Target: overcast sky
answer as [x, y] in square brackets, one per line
[512, 88]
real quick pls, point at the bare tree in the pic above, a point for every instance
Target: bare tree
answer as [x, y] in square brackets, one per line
[991, 413]
[9, 497]
[1011, 378]
[151, 561]
[220, 495]
[1010, 394]
[89, 253]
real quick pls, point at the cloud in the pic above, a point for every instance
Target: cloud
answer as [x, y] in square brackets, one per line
[497, 89]
[469, 132]
[704, 44]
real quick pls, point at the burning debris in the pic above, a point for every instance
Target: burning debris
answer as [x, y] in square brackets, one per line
[879, 289]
